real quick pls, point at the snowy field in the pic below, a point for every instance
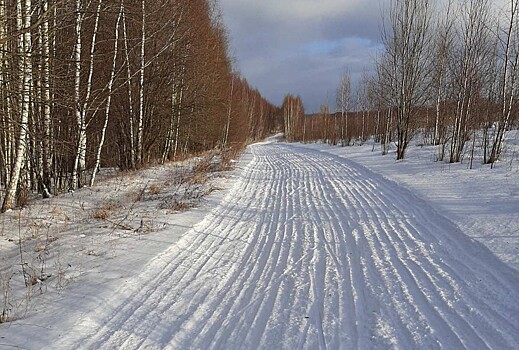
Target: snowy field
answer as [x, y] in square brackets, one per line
[305, 247]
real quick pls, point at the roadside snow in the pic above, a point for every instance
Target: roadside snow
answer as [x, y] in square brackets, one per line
[79, 248]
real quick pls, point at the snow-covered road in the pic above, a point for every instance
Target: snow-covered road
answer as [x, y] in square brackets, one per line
[312, 251]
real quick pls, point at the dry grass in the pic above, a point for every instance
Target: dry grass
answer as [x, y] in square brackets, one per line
[136, 196]
[177, 205]
[194, 184]
[23, 197]
[229, 154]
[155, 189]
[5, 281]
[40, 247]
[58, 213]
[197, 178]
[33, 279]
[105, 211]
[206, 164]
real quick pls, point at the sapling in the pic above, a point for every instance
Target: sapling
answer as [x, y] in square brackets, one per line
[6, 292]
[22, 263]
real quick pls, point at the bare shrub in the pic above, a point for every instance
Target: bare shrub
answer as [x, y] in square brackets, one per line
[176, 204]
[61, 277]
[23, 197]
[155, 189]
[39, 247]
[197, 178]
[206, 164]
[33, 279]
[136, 196]
[105, 211]
[5, 280]
[228, 154]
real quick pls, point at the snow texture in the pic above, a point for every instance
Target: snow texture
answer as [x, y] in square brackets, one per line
[305, 249]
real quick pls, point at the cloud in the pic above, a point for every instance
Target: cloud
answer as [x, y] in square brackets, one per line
[301, 10]
[314, 72]
[302, 46]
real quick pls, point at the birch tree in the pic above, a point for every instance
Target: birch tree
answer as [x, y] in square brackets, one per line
[509, 80]
[140, 120]
[46, 94]
[443, 41]
[405, 47]
[163, 93]
[109, 97]
[343, 105]
[80, 110]
[6, 110]
[467, 66]
[23, 23]
[129, 92]
[293, 114]
[385, 89]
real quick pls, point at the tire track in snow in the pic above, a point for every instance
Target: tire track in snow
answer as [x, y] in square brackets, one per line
[472, 339]
[359, 278]
[410, 295]
[129, 315]
[311, 251]
[395, 241]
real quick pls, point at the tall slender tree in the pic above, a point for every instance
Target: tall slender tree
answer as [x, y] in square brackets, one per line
[405, 39]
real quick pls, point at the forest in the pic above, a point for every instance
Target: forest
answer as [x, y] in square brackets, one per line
[86, 84]
[448, 71]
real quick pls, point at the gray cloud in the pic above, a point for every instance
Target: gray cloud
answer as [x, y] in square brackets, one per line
[302, 46]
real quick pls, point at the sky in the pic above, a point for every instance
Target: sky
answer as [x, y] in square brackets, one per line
[302, 47]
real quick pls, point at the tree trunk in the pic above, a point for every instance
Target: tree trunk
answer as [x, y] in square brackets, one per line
[229, 113]
[109, 99]
[79, 163]
[46, 144]
[509, 85]
[140, 121]
[179, 115]
[23, 21]
[131, 117]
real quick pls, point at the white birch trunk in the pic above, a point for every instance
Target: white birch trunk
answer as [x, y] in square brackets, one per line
[169, 138]
[140, 121]
[509, 86]
[179, 115]
[23, 21]
[46, 152]
[82, 117]
[129, 87]
[229, 113]
[109, 99]
[77, 103]
[4, 85]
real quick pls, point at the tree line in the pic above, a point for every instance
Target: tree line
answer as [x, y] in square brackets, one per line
[115, 83]
[448, 70]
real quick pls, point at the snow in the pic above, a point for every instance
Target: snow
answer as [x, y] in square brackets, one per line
[305, 246]
[482, 202]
